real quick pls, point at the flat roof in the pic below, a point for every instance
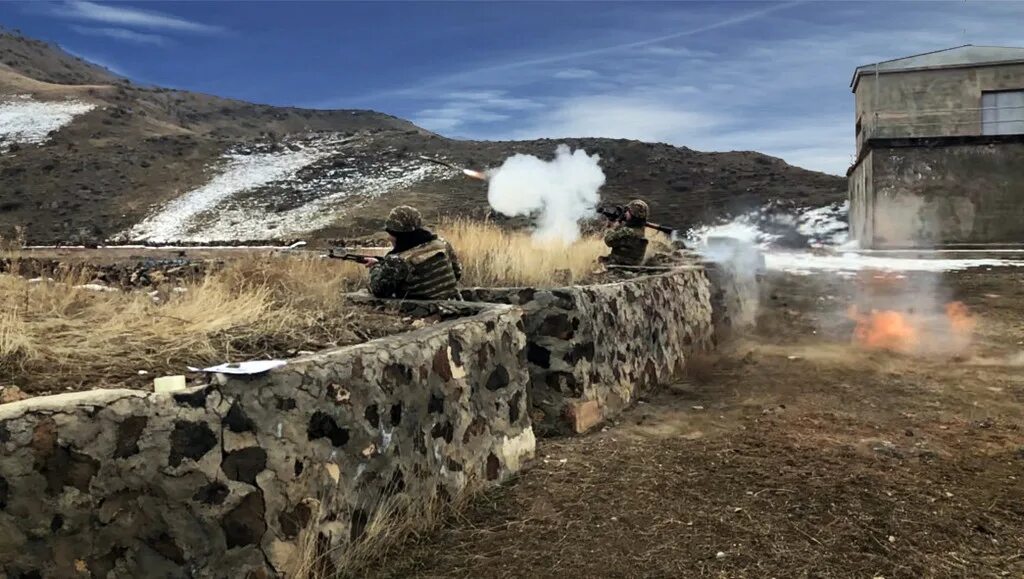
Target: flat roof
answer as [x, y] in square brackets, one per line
[958, 56]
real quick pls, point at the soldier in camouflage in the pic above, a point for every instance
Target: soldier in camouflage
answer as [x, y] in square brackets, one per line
[627, 239]
[420, 266]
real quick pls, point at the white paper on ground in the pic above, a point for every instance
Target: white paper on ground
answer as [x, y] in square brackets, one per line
[253, 367]
[168, 383]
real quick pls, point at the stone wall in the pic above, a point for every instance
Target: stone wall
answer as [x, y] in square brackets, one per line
[592, 349]
[225, 480]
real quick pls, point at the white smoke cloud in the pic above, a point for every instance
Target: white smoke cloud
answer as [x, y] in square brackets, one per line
[559, 192]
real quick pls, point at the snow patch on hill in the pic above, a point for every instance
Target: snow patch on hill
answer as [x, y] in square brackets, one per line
[803, 241]
[290, 189]
[254, 223]
[775, 225]
[24, 120]
[242, 172]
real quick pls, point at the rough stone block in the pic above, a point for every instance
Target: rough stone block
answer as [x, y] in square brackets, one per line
[584, 415]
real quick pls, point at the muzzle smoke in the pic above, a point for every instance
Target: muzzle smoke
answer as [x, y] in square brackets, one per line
[558, 193]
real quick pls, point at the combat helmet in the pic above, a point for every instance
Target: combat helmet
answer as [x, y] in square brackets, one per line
[403, 219]
[638, 209]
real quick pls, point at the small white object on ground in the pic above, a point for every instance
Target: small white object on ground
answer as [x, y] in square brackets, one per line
[169, 383]
[697, 407]
[95, 287]
[252, 367]
[720, 555]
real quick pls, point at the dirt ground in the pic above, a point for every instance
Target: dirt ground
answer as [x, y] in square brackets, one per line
[795, 454]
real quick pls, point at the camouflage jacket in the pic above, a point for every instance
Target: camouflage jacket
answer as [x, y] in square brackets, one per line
[628, 243]
[430, 271]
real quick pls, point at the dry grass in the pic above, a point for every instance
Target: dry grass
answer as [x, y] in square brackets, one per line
[492, 256]
[55, 336]
[393, 519]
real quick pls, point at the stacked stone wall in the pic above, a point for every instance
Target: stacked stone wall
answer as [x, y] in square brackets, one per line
[227, 480]
[593, 349]
[235, 478]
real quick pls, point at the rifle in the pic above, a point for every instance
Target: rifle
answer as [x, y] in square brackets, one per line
[615, 213]
[356, 257]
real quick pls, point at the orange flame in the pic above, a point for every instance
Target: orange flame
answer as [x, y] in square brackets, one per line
[885, 330]
[904, 333]
[960, 319]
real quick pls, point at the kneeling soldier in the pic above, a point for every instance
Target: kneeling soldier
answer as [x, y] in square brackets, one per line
[420, 265]
[627, 239]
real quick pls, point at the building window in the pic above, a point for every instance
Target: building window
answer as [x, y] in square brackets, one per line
[1002, 112]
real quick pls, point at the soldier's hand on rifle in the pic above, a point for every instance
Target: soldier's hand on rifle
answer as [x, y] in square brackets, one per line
[370, 261]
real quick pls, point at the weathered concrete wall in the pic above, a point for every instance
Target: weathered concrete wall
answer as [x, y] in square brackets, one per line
[593, 349]
[862, 200]
[924, 196]
[222, 481]
[930, 102]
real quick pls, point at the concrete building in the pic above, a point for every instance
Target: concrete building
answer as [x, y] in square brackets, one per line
[940, 149]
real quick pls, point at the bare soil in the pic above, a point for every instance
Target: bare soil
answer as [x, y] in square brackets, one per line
[794, 454]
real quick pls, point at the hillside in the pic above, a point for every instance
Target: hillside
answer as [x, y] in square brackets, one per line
[88, 155]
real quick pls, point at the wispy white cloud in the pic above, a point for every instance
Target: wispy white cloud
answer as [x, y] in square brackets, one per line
[132, 17]
[122, 34]
[465, 108]
[782, 91]
[530, 64]
[575, 74]
[620, 117]
[676, 51]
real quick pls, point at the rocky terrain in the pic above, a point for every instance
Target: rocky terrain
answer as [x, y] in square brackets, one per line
[89, 156]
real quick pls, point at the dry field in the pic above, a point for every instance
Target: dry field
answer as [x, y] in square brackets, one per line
[797, 454]
[58, 335]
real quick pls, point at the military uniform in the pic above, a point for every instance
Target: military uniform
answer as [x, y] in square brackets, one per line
[628, 241]
[427, 271]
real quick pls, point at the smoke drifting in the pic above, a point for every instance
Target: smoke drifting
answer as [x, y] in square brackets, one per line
[559, 193]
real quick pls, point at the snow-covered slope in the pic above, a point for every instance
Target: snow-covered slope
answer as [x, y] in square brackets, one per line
[808, 240]
[775, 225]
[280, 191]
[24, 120]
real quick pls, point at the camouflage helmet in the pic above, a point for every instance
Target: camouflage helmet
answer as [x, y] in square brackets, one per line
[403, 219]
[638, 209]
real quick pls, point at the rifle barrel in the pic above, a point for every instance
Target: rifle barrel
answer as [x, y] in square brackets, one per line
[661, 228]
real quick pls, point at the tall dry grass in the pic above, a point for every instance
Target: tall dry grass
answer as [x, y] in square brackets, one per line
[492, 256]
[54, 336]
[393, 518]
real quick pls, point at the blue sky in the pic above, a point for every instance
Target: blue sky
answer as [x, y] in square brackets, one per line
[719, 76]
